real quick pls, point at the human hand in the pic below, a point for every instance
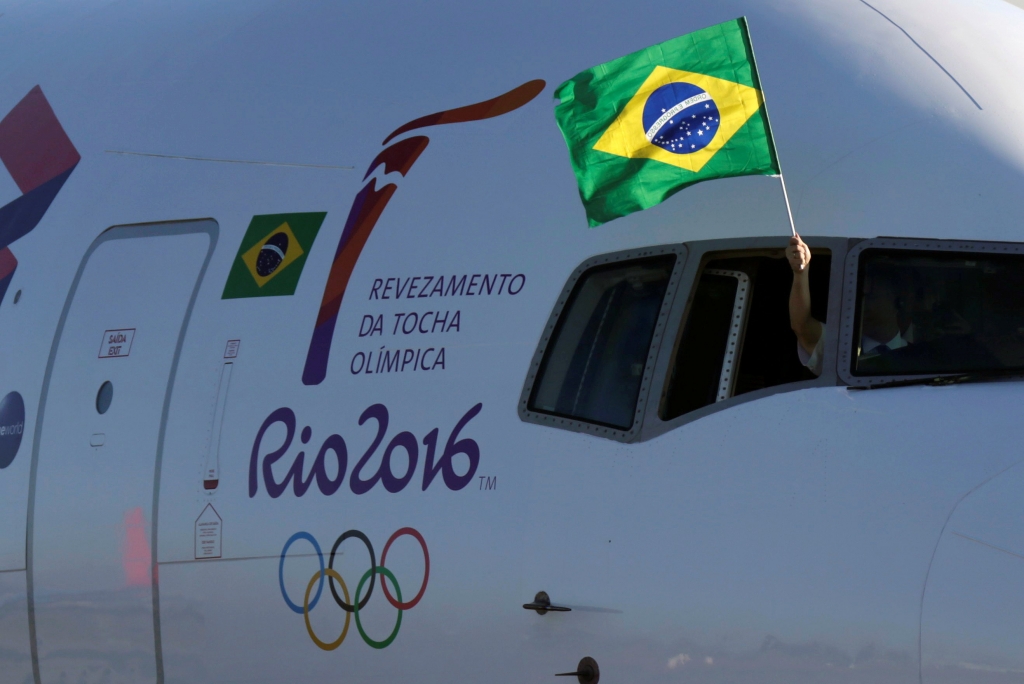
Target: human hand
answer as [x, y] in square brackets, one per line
[798, 254]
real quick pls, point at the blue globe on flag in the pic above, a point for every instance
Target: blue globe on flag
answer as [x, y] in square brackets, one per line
[680, 118]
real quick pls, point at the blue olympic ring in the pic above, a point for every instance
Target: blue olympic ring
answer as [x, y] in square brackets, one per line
[358, 601]
[280, 570]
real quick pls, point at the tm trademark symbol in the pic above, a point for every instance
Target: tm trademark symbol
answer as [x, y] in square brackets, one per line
[488, 482]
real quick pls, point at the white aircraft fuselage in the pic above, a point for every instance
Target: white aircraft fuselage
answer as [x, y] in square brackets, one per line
[265, 418]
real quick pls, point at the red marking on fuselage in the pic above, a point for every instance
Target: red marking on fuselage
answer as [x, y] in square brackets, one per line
[135, 555]
[7, 263]
[503, 104]
[33, 144]
[400, 156]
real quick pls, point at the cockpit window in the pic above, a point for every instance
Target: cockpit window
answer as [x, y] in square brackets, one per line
[702, 372]
[593, 366]
[924, 312]
[737, 336]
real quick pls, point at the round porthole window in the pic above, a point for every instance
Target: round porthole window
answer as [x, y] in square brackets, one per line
[104, 397]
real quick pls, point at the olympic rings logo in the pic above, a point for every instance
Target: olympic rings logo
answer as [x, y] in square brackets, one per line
[348, 604]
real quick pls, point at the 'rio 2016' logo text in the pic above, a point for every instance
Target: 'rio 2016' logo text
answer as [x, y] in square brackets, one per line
[352, 605]
[359, 481]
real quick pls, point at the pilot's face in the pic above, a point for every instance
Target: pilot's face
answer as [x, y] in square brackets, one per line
[879, 313]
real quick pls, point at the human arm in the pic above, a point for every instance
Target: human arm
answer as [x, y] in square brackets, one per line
[807, 329]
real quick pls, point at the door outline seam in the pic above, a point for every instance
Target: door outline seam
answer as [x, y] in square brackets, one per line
[119, 232]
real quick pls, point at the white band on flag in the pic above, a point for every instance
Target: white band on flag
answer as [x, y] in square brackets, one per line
[664, 118]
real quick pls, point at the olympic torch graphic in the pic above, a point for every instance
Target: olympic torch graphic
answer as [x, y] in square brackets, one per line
[369, 203]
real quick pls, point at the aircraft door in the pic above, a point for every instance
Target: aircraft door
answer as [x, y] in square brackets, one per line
[111, 369]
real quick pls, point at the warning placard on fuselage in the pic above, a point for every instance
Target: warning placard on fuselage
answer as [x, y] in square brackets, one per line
[208, 533]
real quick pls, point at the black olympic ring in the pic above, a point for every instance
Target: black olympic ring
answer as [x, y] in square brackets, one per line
[347, 607]
[332, 575]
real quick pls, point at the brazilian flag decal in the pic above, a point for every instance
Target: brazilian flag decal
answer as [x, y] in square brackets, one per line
[272, 254]
[643, 127]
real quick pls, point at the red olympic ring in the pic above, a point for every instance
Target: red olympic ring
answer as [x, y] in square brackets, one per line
[426, 568]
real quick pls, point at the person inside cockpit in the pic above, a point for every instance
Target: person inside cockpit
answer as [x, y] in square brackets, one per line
[880, 329]
[906, 324]
[809, 331]
[883, 309]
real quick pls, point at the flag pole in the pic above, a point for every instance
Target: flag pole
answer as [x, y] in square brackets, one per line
[788, 209]
[768, 125]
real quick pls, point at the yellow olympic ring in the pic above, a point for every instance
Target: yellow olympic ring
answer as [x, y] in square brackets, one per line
[305, 609]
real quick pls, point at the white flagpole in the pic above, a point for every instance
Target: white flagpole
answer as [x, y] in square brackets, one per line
[788, 209]
[768, 126]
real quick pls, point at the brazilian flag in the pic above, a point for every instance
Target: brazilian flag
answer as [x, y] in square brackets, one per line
[643, 127]
[273, 251]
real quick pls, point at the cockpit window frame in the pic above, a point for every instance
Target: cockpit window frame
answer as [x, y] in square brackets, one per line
[692, 258]
[848, 321]
[528, 416]
[705, 251]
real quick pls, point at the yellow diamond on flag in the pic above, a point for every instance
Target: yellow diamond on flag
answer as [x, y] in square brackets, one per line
[627, 136]
[272, 254]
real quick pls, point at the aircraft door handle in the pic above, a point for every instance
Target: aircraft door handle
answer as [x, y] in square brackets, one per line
[586, 672]
[542, 604]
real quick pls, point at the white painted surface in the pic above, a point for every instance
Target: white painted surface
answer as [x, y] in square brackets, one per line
[92, 505]
[787, 539]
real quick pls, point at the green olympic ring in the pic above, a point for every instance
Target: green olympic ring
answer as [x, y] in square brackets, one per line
[359, 601]
[381, 570]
